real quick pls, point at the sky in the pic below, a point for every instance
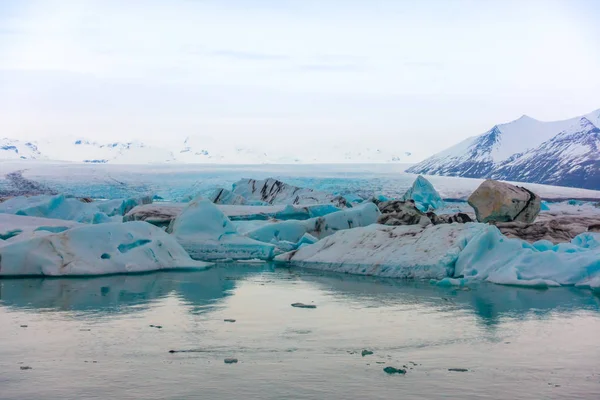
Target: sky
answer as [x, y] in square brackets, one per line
[418, 76]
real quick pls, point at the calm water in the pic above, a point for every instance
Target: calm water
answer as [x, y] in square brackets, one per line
[91, 338]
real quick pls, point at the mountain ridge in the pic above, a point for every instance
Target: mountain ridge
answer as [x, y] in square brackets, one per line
[516, 151]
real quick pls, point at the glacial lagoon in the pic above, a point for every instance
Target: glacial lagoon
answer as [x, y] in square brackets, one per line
[164, 336]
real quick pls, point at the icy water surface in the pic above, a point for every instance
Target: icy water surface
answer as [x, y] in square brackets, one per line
[93, 339]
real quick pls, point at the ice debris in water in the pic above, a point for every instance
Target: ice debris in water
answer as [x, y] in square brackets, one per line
[302, 305]
[392, 370]
[132, 247]
[424, 195]
[207, 234]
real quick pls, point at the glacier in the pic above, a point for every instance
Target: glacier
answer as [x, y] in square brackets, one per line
[110, 248]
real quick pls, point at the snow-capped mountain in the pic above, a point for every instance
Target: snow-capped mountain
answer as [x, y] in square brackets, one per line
[196, 149]
[11, 149]
[527, 150]
[571, 158]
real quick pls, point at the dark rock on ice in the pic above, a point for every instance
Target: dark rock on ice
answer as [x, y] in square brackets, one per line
[496, 201]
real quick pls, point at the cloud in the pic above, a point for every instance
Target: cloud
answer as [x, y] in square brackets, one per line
[247, 55]
[325, 67]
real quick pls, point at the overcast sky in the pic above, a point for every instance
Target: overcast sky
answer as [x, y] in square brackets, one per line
[417, 75]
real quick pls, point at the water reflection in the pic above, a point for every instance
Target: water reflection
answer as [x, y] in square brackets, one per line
[125, 293]
[490, 302]
[202, 291]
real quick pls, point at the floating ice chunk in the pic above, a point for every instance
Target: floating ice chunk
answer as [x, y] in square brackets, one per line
[492, 257]
[293, 231]
[425, 196]
[207, 234]
[96, 250]
[400, 252]
[273, 191]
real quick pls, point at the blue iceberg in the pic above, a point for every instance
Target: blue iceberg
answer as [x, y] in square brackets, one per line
[424, 195]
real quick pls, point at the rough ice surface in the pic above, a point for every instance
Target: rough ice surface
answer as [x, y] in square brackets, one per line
[273, 191]
[207, 234]
[65, 208]
[161, 214]
[15, 228]
[110, 248]
[425, 196]
[400, 252]
[467, 252]
[293, 231]
[492, 257]
[224, 196]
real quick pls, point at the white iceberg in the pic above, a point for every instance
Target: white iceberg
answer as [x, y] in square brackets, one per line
[207, 234]
[408, 251]
[110, 248]
[293, 231]
[424, 195]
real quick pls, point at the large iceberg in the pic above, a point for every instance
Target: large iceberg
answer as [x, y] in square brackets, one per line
[293, 231]
[110, 248]
[273, 191]
[456, 254]
[408, 251]
[424, 195]
[207, 234]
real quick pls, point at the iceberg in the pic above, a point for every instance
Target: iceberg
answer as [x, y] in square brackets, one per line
[15, 228]
[207, 234]
[492, 257]
[273, 191]
[110, 248]
[69, 208]
[424, 195]
[408, 251]
[320, 227]
[161, 214]
[224, 196]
